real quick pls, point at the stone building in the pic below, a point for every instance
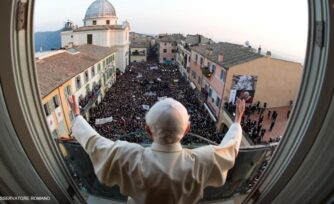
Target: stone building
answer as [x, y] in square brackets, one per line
[101, 28]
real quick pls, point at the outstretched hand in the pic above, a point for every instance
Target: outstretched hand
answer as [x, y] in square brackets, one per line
[73, 105]
[240, 109]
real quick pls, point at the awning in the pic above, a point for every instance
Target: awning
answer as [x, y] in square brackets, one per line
[212, 116]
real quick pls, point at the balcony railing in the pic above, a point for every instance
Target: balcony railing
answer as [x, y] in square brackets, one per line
[249, 164]
[206, 72]
[87, 102]
[138, 53]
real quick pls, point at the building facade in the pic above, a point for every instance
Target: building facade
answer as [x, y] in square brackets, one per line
[167, 47]
[222, 71]
[86, 71]
[139, 51]
[183, 56]
[101, 28]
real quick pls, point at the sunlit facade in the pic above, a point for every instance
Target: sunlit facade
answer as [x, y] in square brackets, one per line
[86, 72]
[102, 29]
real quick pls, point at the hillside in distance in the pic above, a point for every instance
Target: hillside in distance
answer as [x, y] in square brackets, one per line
[48, 40]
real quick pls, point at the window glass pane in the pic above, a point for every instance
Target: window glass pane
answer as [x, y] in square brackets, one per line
[222, 74]
[55, 101]
[46, 109]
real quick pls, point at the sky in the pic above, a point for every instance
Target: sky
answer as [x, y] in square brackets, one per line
[277, 25]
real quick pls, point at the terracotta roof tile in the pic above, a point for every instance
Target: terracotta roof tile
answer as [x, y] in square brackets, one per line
[233, 54]
[55, 70]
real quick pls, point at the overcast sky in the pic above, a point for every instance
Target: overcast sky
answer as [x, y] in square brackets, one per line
[276, 25]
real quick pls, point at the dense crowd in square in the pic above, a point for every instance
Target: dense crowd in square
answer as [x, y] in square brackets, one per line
[136, 90]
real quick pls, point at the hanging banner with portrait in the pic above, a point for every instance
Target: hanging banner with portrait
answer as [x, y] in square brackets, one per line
[243, 87]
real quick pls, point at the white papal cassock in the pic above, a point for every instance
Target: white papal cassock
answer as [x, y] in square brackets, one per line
[161, 173]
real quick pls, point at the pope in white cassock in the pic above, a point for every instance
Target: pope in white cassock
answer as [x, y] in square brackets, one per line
[164, 172]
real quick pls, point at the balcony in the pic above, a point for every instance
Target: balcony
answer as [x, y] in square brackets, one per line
[87, 102]
[206, 72]
[138, 53]
[250, 163]
[187, 47]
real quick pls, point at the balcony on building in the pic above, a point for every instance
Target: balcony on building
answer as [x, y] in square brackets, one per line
[138, 53]
[206, 72]
[90, 99]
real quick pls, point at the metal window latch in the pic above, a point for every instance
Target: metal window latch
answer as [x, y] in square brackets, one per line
[21, 17]
[320, 34]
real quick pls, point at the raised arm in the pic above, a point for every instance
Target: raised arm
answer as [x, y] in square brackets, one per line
[98, 148]
[234, 134]
[225, 154]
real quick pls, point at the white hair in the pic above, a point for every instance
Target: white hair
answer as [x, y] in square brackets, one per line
[167, 119]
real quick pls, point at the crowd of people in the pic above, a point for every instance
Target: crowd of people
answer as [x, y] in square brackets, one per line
[254, 127]
[136, 90]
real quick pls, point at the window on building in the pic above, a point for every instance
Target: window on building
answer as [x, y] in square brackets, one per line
[108, 22]
[47, 109]
[213, 100]
[213, 69]
[78, 82]
[89, 39]
[165, 44]
[193, 73]
[165, 51]
[86, 76]
[98, 68]
[104, 63]
[196, 58]
[217, 101]
[93, 71]
[199, 79]
[87, 89]
[67, 91]
[164, 59]
[189, 59]
[94, 22]
[173, 51]
[222, 74]
[55, 100]
[210, 92]
[201, 61]
[172, 59]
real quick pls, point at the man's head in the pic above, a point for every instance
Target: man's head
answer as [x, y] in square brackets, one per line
[167, 121]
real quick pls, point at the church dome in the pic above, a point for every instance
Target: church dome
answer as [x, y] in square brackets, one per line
[100, 8]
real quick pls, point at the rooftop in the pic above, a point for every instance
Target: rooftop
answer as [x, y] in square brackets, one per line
[100, 8]
[56, 69]
[171, 38]
[143, 44]
[233, 54]
[100, 27]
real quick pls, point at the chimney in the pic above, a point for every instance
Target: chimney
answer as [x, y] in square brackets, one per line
[220, 58]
